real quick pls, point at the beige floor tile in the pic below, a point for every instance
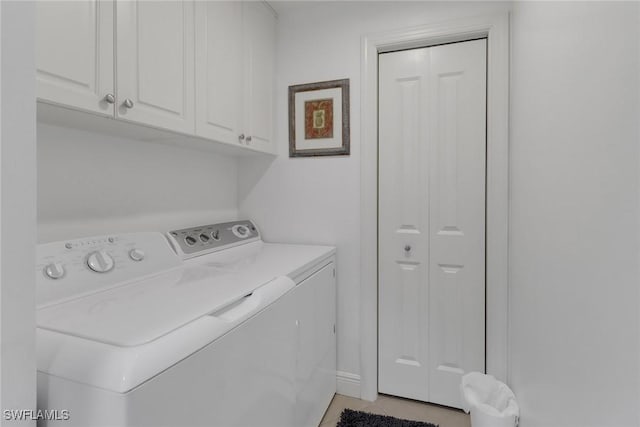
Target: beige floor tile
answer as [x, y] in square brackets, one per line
[330, 423]
[340, 403]
[453, 419]
[419, 411]
[383, 398]
[407, 409]
[374, 409]
[396, 407]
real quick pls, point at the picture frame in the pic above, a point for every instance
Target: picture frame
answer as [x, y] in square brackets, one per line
[319, 119]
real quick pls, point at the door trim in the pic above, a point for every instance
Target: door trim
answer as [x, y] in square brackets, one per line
[496, 29]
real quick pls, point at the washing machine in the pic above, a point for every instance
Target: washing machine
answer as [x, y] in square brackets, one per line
[203, 326]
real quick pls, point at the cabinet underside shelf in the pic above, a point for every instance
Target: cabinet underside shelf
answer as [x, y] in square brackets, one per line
[67, 117]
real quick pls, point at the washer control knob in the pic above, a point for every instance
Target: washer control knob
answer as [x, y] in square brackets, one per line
[215, 235]
[136, 254]
[190, 240]
[100, 261]
[241, 231]
[55, 270]
[204, 238]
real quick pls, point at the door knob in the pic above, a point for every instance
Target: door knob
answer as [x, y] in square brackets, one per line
[128, 103]
[407, 248]
[109, 98]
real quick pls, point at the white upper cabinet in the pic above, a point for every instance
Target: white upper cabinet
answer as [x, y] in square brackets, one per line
[74, 42]
[155, 64]
[219, 70]
[260, 42]
[235, 65]
[202, 69]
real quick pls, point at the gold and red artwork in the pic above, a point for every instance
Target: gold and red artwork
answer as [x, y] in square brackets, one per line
[318, 119]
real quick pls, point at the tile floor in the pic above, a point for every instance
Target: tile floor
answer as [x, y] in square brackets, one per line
[396, 407]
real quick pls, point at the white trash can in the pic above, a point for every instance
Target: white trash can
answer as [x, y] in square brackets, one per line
[491, 402]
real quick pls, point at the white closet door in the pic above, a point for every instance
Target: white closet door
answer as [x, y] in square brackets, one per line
[74, 53]
[155, 63]
[403, 224]
[432, 137]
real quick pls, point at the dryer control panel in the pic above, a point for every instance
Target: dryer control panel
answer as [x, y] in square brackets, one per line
[204, 239]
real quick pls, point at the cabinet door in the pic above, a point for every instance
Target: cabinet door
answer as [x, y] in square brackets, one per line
[74, 53]
[259, 32]
[219, 70]
[155, 63]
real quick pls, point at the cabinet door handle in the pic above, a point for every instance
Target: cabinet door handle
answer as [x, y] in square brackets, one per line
[109, 98]
[128, 103]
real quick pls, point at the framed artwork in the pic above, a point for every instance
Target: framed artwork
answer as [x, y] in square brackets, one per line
[319, 119]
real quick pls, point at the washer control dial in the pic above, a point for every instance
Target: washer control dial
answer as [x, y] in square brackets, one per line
[241, 231]
[136, 254]
[100, 261]
[190, 240]
[55, 271]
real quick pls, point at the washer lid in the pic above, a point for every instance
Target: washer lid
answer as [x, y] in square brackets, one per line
[143, 311]
[120, 369]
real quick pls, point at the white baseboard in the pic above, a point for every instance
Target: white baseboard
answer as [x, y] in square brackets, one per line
[348, 384]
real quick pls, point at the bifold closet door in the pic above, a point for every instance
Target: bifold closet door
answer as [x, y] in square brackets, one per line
[432, 169]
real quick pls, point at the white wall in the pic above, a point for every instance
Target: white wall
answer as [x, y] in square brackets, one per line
[318, 200]
[574, 213]
[17, 209]
[574, 191]
[90, 183]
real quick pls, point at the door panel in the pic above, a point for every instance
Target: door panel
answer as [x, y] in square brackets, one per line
[155, 63]
[404, 222]
[74, 58]
[219, 90]
[431, 219]
[457, 209]
[260, 74]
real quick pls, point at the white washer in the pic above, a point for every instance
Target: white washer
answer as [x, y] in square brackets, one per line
[224, 331]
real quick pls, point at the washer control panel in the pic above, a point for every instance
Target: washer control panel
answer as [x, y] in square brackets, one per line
[203, 239]
[72, 268]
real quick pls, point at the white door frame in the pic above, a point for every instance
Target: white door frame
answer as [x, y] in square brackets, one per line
[496, 29]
